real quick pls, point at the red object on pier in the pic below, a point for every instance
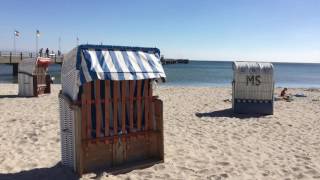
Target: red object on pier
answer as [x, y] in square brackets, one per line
[44, 61]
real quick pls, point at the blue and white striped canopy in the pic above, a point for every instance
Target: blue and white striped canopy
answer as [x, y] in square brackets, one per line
[118, 63]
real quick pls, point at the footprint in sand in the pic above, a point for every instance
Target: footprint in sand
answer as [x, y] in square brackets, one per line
[8, 168]
[302, 157]
[295, 169]
[159, 167]
[144, 173]
[166, 176]
[224, 175]
[203, 171]
[1, 159]
[218, 177]
[223, 163]
[300, 176]
[185, 169]
[312, 172]
[213, 147]
[213, 177]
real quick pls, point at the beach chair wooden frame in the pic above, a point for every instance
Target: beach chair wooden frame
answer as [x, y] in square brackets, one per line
[41, 82]
[126, 131]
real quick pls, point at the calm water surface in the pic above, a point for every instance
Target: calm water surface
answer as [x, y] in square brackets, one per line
[211, 73]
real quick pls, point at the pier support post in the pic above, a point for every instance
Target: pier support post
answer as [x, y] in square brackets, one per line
[15, 69]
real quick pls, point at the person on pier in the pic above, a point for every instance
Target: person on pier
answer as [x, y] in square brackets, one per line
[40, 52]
[47, 52]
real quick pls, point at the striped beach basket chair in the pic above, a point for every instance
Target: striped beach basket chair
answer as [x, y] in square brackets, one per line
[110, 119]
[253, 88]
[33, 77]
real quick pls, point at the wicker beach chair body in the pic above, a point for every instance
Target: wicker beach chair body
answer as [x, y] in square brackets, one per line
[113, 123]
[253, 88]
[33, 77]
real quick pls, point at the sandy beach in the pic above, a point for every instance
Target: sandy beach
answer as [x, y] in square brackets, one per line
[203, 138]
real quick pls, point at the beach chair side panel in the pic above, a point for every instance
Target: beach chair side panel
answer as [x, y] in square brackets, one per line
[67, 126]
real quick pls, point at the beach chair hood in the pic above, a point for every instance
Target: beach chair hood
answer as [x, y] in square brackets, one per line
[87, 63]
[29, 65]
[253, 80]
[265, 68]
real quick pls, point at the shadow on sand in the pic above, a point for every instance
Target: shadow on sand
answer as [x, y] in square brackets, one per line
[9, 96]
[228, 113]
[56, 172]
[14, 96]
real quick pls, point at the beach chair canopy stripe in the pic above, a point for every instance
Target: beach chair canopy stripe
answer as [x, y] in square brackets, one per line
[87, 63]
[114, 64]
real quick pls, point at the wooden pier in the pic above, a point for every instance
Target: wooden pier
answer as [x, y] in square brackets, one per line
[174, 61]
[14, 59]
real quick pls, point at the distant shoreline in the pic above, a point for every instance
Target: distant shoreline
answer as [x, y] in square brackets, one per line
[276, 62]
[226, 86]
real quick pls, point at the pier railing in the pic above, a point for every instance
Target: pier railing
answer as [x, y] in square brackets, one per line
[14, 58]
[8, 57]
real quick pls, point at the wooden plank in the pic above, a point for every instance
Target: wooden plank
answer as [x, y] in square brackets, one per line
[35, 86]
[107, 108]
[123, 105]
[158, 108]
[48, 84]
[131, 94]
[115, 107]
[139, 113]
[151, 109]
[98, 108]
[87, 91]
[146, 104]
[78, 139]
[83, 116]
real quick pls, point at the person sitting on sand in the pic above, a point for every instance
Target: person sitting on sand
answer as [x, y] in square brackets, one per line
[283, 92]
[285, 96]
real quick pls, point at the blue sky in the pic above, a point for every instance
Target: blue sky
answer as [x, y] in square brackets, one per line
[263, 30]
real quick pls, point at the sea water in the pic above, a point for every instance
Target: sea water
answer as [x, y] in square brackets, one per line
[211, 74]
